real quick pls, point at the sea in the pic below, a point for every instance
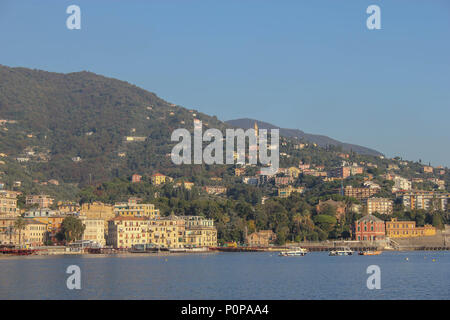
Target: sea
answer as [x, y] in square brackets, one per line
[229, 276]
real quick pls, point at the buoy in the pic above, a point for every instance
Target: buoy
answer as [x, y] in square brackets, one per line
[434, 260]
[406, 259]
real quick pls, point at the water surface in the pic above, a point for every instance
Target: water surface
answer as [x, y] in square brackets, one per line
[404, 275]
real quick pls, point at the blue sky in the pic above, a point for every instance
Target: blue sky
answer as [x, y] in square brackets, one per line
[311, 65]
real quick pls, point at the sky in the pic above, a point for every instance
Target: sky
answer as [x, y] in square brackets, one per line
[309, 65]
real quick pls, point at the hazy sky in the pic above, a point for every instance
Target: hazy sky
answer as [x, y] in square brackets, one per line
[311, 65]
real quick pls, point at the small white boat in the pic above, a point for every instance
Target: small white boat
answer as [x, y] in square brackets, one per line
[343, 252]
[293, 253]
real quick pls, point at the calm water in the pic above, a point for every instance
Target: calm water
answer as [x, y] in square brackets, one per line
[228, 276]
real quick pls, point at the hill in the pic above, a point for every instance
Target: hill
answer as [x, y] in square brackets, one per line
[73, 126]
[320, 140]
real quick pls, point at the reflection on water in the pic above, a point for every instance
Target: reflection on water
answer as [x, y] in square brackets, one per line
[227, 276]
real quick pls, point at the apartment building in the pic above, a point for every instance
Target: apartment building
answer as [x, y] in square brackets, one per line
[426, 200]
[360, 193]
[380, 205]
[199, 232]
[8, 203]
[345, 171]
[125, 232]
[133, 208]
[94, 230]
[34, 233]
[43, 201]
[165, 232]
[401, 184]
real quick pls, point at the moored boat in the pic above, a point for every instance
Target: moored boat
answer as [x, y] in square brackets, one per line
[292, 253]
[369, 253]
[341, 252]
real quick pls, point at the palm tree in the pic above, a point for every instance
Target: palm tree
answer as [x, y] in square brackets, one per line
[19, 225]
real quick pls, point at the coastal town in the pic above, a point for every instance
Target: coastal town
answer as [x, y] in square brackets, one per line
[371, 197]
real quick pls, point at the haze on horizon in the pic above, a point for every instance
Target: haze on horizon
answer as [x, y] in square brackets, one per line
[312, 66]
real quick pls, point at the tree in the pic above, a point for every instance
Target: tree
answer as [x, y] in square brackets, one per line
[71, 229]
[325, 222]
[20, 225]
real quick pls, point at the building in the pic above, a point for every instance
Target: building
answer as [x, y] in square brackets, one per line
[94, 230]
[34, 233]
[133, 208]
[136, 178]
[134, 139]
[199, 232]
[427, 169]
[43, 201]
[407, 229]
[380, 205]
[293, 172]
[345, 171]
[163, 232]
[41, 212]
[158, 179]
[98, 210]
[215, 190]
[287, 191]
[250, 180]
[8, 203]
[425, 200]
[401, 184]
[239, 171]
[68, 207]
[261, 238]
[369, 228]
[185, 184]
[125, 232]
[360, 193]
[283, 180]
[167, 232]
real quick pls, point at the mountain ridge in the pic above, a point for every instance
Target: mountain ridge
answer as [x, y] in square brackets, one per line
[320, 140]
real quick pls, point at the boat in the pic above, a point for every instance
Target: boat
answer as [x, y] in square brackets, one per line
[341, 252]
[292, 253]
[369, 253]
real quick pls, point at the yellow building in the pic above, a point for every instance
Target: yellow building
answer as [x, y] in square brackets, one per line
[68, 206]
[34, 233]
[98, 210]
[407, 229]
[158, 179]
[133, 208]
[8, 203]
[167, 232]
[293, 172]
[286, 192]
[199, 232]
[52, 223]
[163, 232]
[125, 232]
[185, 184]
